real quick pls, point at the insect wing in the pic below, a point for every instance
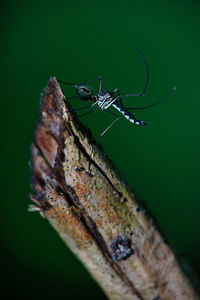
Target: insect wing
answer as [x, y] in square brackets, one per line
[84, 91]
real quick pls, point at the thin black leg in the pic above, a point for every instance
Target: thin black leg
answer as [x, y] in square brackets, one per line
[74, 97]
[147, 78]
[100, 84]
[91, 80]
[100, 78]
[83, 107]
[153, 104]
[86, 113]
[119, 96]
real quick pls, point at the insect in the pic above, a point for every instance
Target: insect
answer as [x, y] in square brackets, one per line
[105, 99]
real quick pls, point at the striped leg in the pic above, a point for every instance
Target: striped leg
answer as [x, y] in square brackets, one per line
[116, 118]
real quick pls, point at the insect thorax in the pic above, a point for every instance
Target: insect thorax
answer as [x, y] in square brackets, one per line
[104, 99]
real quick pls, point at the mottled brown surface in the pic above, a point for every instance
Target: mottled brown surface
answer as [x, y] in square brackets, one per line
[90, 212]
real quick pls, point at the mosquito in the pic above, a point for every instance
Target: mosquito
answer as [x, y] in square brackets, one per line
[106, 99]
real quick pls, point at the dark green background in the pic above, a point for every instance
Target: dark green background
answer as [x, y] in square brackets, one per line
[76, 41]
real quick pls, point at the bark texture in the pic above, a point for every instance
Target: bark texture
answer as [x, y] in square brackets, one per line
[95, 213]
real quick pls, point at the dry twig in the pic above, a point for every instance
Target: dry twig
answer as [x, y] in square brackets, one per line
[96, 214]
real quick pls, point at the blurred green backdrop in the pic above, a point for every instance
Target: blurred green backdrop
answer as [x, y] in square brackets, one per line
[76, 41]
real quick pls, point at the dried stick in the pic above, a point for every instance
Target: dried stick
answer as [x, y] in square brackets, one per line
[95, 213]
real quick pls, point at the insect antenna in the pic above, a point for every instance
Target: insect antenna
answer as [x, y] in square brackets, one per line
[155, 103]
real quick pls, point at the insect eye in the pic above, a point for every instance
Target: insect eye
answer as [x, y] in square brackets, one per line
[84, 91]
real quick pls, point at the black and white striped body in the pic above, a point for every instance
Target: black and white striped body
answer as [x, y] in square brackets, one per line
[127, 114]
[106, 99]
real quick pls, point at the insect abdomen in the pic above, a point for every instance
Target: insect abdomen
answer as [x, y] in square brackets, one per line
[127, 114]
